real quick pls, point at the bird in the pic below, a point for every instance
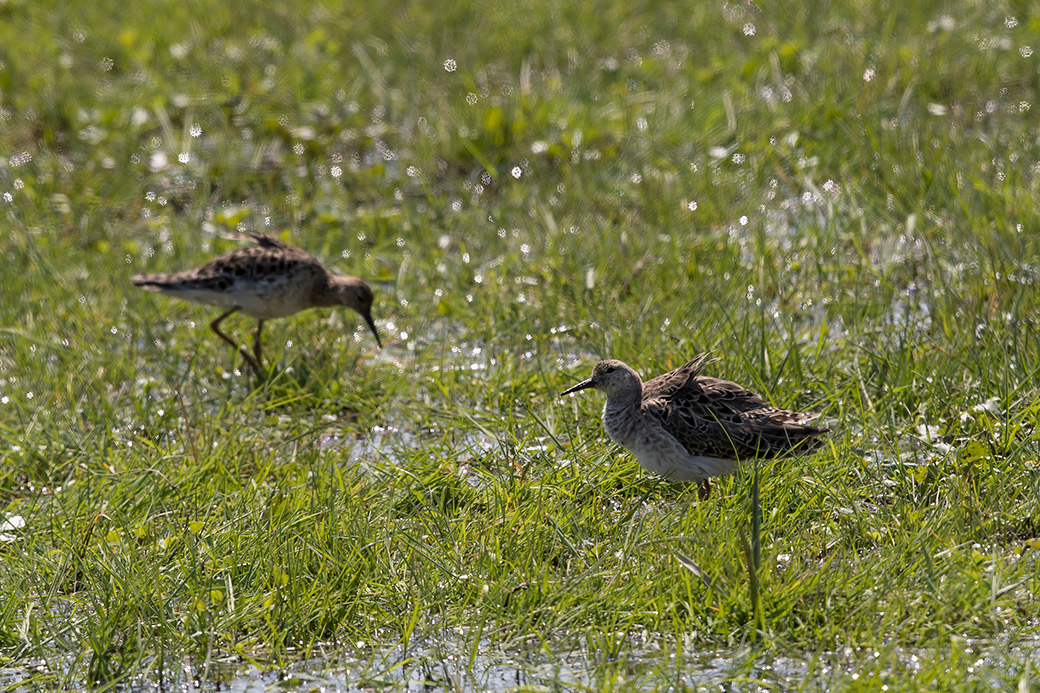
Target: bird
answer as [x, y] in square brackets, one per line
[687, 427]
[267, 280]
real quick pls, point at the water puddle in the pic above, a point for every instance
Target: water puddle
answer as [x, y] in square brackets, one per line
[449, 663]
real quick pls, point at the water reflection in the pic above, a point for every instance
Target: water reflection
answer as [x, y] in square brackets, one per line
[448, 661]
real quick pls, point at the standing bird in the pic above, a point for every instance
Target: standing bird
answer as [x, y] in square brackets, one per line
[689, 427]
[271, 279]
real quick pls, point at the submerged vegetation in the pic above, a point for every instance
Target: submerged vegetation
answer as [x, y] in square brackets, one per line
[838, 199]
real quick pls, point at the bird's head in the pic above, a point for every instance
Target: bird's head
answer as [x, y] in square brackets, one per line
[611, 377]
[356, 294]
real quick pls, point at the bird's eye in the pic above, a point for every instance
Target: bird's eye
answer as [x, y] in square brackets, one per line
[611, 369]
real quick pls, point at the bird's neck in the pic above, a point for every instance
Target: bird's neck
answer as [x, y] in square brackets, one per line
[324, 292]
[621, 415]
[626, 400]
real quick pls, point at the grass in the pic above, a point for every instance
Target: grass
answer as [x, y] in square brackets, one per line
[838, 199]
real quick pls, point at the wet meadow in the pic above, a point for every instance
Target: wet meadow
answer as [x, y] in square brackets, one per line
[837, 199]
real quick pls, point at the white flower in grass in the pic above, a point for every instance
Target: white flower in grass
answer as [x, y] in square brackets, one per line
[10, 525]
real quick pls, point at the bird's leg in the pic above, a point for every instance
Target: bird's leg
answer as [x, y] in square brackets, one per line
[704, 490]
[215, 326]
[256, 342]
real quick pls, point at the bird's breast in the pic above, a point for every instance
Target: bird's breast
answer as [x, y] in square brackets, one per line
[641, 435]
[620, 424]
[656, 449]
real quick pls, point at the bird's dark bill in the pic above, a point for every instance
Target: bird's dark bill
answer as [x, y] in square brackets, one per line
[372, 326]
[583, 385]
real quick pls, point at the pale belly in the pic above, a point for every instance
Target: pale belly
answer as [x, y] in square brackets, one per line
[260, 302]
[659, 452]
[277, 304]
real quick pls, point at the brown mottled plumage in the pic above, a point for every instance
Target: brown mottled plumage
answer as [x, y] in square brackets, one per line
[271, 279]
[689, 427]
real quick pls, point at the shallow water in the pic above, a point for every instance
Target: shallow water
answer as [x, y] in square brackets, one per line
[446, 662]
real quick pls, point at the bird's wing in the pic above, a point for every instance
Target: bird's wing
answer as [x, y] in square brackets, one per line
[714, 398]
[267, 266]
[767, 432]
[718, 418]
[667, 384]
[259, 262]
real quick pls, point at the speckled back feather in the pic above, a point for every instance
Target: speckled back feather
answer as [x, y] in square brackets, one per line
[717, 418]
[269, 258]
